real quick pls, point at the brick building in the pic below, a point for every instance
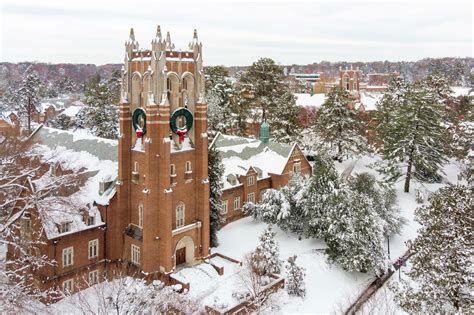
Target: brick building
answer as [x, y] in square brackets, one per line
[251, 166]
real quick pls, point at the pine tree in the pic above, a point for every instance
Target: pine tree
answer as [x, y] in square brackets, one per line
[384, 201]
[266, 90]
[266, 257]
[215, 173]
[338, 125]
[416, 136]
[323, 192]
[100, 114]
[355, 235]
[441, 275]
[61, 121]
[29, 96]
[272, 208]
[294, 283]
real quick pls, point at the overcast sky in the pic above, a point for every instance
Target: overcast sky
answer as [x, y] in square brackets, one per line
[238, 32]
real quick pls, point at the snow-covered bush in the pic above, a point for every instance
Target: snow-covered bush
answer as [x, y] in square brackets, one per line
[294, 283]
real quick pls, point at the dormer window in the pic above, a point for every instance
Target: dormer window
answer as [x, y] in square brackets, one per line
[90, 220]
[65, 227]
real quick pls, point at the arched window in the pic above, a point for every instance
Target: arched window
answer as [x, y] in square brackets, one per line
[185, 84]
[188, 167]
[346, 82]
[180, 215]
[168, 89]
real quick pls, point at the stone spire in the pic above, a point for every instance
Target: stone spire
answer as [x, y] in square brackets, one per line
[158, 32]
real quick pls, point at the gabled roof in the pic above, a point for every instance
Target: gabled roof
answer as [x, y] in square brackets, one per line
[239, 154]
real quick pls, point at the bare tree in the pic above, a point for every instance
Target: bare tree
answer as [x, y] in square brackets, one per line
[19, 196]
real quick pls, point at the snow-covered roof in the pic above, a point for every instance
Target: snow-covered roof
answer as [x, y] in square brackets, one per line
[71, 111]
[369, 99]
[239, 154]
[461, 91]
[93, 159]
[305, 99]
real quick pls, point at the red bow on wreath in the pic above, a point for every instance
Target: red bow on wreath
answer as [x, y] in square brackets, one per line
[181, 134]
[139, 133]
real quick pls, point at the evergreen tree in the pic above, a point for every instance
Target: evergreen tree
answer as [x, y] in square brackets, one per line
[28, 96]
[384, 201]
[416, 136]
[355, 235]
[338, 125]
[272, 208]
[266, 257]
[324, 190]
[441, 278]
[215, 173]
[100, 114]
[264, 86]
[61, 121]
[294, 283]
[220, 96]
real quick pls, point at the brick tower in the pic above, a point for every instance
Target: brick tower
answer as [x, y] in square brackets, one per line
[162, 202]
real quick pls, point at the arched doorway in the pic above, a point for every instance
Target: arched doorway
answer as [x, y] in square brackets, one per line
[184, 252]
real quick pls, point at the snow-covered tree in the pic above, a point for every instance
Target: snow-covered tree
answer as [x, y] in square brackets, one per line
[215, 173]
[266, 257]
[295, 274]
[384, 201]
[416, 135]
[20, 194]
[324, 190]
[28, 96]
[100, 114]
[355, 235]
[338, 125]
[271, 99]
[61, 121]
[441, 277]
[272, 208]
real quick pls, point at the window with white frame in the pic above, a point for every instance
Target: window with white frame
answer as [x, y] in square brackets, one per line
[90, 220]
[224, 206]
[250, 180]
[251, 197]
[262, 192]
[297, 167]
[93, 248]
[65, 227]
[136, 168]
[172, 170]
[236, 203]
[68, 286]
[188, 167]
[93, 277]
[68, 256]
[140, 215]
[180, 215]
[135, 254]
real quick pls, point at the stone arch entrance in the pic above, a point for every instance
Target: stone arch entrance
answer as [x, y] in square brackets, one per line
[184, 251]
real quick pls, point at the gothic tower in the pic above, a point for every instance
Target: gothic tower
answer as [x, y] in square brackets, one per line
[162, 201]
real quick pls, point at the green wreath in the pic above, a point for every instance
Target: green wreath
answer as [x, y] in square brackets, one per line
[189, 122]
[136, 115]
